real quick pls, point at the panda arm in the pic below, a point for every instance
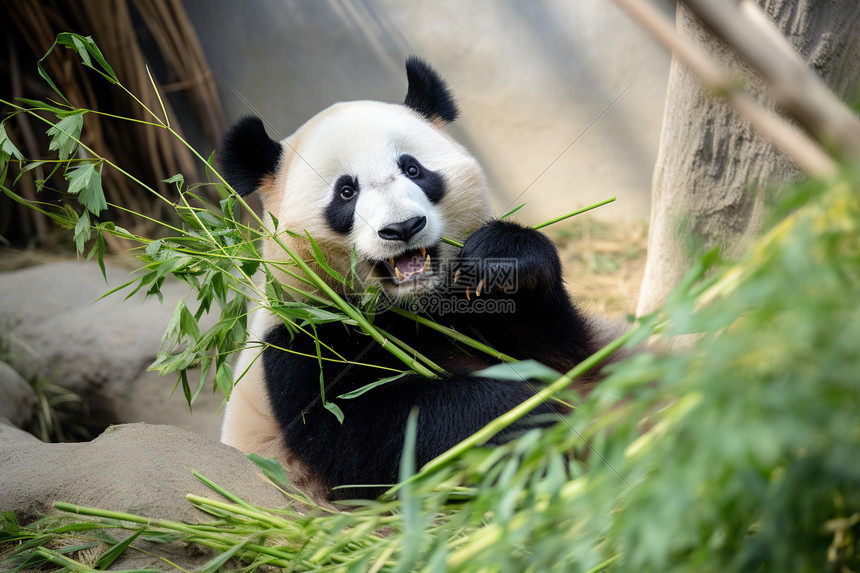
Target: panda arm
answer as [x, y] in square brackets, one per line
[366, 448]
[520, 266]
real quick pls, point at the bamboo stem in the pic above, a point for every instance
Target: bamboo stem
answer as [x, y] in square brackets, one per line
[547, 223]
[494, 427]
[451, 333]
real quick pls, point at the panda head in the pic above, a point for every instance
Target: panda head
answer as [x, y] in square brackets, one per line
[381, 179]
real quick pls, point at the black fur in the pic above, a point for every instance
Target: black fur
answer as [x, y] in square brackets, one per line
[247, 154]
[340, 212]
[431, 182]
[428, 94]
[366, 448]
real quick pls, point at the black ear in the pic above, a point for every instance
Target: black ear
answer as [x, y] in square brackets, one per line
[428, 93]
[247, 154]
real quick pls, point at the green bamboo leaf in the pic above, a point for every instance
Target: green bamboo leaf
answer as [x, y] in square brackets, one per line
[98, 250]
[83, 231]
[179, 179]
[320, 259]
[334, 409]
[88, 51]
[224, 379]
[272, 469]
[7, 149]
[25, 168]
[522, 370]
[66, 133]
[153, 248]
[367, 387]
[92, 196]
[413, 526]
[302, 311]
[79, 177]
[181, 324]
[8, 524]
[215, 564]
[44, 106]
[108, 557]
[512, 211]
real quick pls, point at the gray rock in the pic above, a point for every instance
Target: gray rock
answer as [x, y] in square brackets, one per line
[136, 468]
[151, 399]
[8, 432]
[83, 341]
[54, 325]
[17, 397]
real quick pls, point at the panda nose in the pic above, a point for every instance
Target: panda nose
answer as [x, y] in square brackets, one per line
[404, 230]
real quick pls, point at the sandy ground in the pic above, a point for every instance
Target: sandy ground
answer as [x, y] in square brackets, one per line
[604, 263]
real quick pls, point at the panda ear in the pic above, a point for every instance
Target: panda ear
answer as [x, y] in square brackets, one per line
[247, 154]
[428, 94]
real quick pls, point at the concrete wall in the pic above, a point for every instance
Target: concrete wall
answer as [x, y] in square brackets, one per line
[530, 77]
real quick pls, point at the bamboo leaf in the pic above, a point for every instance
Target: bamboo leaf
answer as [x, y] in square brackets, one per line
[320, 259]
[224, 379]
[179, 179]
[522, 370]
[44, 106]
[215, 564]
[66, 133]
[79, 177]
[7, 148]
[108, 557]
[367, 387]
[272, 469]
[88, 51]
[334, 409]
[85, 181]
[83, 231]
[512, 211]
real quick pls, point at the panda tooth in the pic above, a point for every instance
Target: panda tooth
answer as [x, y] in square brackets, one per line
[391, 260]
[457, 275]
[427, 262]
[423, 252]
[399, 274]
[469, 298]
[480, 286]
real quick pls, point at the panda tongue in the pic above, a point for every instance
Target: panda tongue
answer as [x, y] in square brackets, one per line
[410, 263]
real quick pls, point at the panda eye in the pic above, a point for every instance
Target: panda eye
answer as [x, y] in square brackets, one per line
[412, 171]
[347, 192]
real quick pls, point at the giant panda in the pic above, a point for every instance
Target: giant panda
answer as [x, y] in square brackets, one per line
[387, 182]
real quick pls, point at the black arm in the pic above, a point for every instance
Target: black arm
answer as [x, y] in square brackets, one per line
[366, 448]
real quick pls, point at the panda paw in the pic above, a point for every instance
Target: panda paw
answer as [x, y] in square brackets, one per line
[504, 258]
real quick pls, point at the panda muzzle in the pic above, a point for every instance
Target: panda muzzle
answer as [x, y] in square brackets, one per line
[408, 265]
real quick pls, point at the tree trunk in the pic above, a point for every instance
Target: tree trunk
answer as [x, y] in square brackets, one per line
[712, 168]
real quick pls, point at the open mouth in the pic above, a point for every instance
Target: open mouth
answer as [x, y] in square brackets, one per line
[408, 266]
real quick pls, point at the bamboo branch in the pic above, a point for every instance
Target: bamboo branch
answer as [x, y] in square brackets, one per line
[795, 144]
[801, 93]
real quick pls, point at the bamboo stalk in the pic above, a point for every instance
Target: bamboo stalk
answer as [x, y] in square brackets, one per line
[547, 223]
[497, 425]
[793, 86]
[453, 334]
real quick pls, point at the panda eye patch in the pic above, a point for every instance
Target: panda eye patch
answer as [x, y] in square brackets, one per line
[410, 166]
[340, 212]
[431, 182]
